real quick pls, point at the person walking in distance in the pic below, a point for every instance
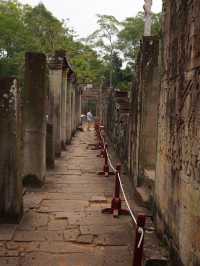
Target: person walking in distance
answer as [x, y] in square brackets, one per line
[89, 119]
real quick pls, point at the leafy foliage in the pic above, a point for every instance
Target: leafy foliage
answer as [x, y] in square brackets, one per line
[131, 34]
[24, 28]
[108, 54]
[104, 39]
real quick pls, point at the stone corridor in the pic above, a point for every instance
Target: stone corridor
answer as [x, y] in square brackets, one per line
[62, 223]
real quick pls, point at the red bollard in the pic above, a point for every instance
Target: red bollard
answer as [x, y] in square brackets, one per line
[102, 153]
[116, 209]
[106, 172]
[100, 144]
[138, 251]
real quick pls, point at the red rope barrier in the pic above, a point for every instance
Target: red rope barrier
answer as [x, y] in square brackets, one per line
[139, 240]
[106, 170]
[116, 208]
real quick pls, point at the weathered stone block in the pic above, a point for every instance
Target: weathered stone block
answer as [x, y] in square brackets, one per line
[11, 206]
[34, 94]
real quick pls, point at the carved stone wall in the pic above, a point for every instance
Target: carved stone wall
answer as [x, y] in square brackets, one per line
[116, 121]
[177, 190]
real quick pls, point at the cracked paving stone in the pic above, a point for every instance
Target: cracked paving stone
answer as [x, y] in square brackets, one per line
[64, 247]
[31, 220]
[57, 225]
[96, 199]
[9, 261]
[85, 239]
[24, 247]
[29, 236]
[95, 217]
[71, 234]
[7, 231]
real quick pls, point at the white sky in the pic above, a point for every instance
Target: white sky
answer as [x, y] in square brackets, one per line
[82, 13]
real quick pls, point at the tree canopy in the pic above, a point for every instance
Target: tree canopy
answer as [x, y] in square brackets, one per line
[24, 28]
[107, 54]
[131, 34]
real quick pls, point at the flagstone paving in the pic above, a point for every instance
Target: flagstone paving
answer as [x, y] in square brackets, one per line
[63, 224]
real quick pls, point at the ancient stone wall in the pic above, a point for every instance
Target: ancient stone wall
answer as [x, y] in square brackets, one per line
[144, 111]
[177, 190]
[115, 119]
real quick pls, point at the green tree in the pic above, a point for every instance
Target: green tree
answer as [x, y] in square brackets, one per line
[47, 31]
[132, 32]
[104, 39]
[24, 28]
[12, 39]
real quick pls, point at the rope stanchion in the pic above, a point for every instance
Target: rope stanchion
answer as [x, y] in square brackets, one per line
[100, 143]
[106, 171]
[139, 240]
[102, 153]
[116, 208]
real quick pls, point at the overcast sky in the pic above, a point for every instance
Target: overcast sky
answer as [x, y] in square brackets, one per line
[82, 13]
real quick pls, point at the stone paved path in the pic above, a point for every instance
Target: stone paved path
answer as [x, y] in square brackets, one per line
[63, 224]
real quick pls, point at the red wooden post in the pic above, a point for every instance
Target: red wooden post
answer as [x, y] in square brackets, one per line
[116, 209]
[99, 144]
[116, 201]
[105, 171]
[138, 251]
[106, 165]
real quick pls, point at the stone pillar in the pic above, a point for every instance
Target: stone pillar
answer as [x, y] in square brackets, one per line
[11, 204]
[55, 79]
[63, 109]
[34, 94]
[73, 111]
[149, 90]
[50, 147]
[80, 103]
[68, 109]
[100, 104]
[78, 107]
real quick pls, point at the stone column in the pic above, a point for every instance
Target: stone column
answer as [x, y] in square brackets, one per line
[50, 147]
[68, 110]
[11, 204]
[78, 113]
[55, 76]
[148, 101]
[34, 94]
[80, 104]
[73, 110]
[100, 104]
[63, 108]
